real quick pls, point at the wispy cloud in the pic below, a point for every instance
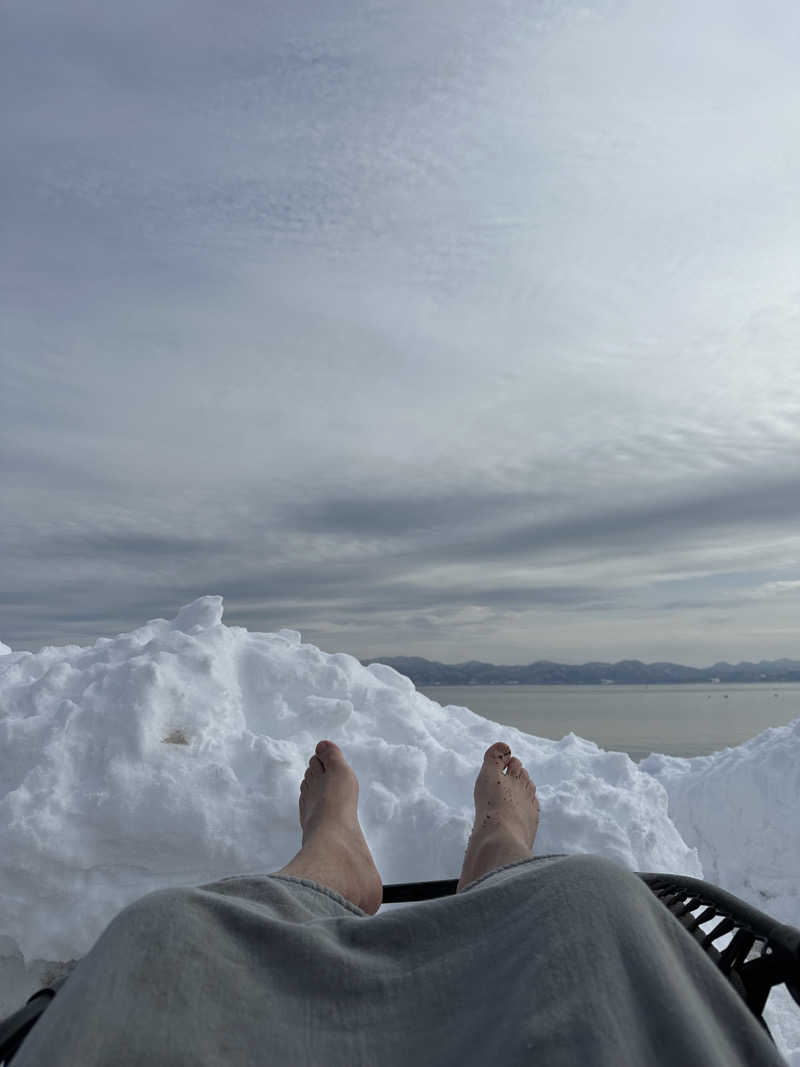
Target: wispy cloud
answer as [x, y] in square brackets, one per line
[778, 588]
[435, 329]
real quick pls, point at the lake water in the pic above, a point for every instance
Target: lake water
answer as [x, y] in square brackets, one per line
[678, 720]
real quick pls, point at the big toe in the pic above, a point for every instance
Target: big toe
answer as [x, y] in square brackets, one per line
[497, 755]
[329, 754]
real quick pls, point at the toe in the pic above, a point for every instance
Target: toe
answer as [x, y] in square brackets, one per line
[497, 754]
[327, 752]
[514, 767]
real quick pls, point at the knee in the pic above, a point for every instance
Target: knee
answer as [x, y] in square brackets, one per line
[600, 866]
[598, 877]
[162, 909]
[173, 898]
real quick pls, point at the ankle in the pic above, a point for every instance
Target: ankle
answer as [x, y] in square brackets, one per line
[492, 847]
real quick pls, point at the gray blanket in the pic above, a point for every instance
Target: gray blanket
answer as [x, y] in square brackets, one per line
[549, 961]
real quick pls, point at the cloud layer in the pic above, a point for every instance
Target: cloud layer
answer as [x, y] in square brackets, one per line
[463, 332]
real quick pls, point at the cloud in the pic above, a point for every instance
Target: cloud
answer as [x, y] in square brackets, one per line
[357, 315]
[778, 588]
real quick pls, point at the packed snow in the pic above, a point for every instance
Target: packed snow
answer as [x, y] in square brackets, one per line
[172, 755]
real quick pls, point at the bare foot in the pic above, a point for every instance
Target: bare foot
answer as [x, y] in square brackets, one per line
[335, 852]
[506, 815]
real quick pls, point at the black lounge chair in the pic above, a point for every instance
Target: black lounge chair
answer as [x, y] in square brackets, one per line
[762, 952]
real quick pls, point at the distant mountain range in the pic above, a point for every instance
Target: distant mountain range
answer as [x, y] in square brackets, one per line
[424, 672]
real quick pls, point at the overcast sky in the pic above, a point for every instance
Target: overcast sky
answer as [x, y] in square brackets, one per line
[454, 329]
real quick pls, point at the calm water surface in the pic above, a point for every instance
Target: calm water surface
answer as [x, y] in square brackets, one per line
[678, 720]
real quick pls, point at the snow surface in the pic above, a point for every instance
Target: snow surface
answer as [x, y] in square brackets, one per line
[172, 755]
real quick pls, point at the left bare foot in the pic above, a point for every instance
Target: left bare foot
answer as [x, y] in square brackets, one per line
[506, 815]
[335, 852]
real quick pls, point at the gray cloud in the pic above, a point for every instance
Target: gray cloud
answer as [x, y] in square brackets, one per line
[441, 329]
[649, 523]
[136, 546]
[402, 513]
[482, 527]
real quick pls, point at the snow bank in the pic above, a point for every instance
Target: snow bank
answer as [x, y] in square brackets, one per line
[172, 755]
[740, 809]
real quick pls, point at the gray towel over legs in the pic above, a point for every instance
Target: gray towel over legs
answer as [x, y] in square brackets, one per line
[553, 960]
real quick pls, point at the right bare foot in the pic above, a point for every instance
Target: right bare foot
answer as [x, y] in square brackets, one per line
[334, 852]
[506, 815]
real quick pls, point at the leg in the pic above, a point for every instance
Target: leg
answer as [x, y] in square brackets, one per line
[506, 815]
[334, 851]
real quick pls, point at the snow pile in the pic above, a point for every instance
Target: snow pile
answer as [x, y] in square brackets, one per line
[173, 755]
[740, 809]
